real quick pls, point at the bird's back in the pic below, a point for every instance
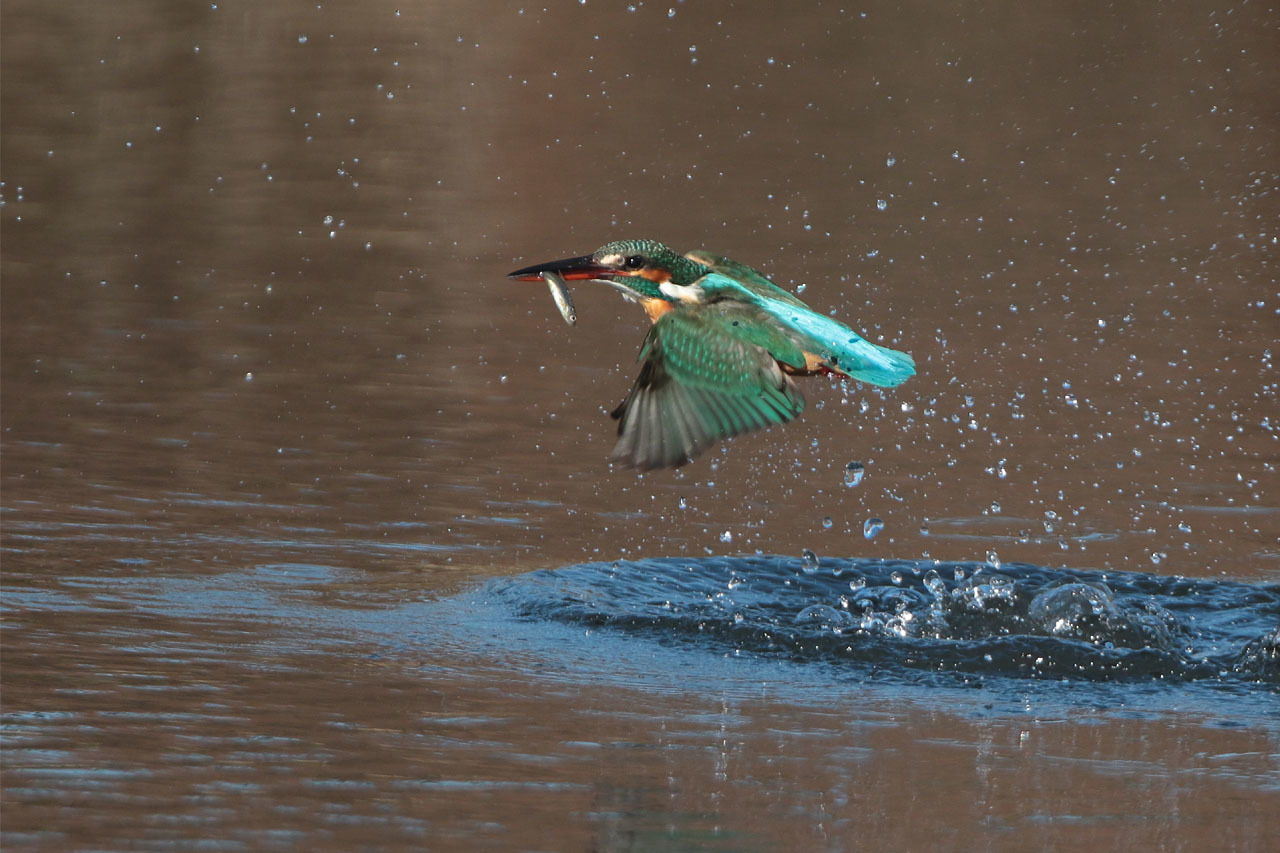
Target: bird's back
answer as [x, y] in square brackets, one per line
[750, 279]
[836, 347]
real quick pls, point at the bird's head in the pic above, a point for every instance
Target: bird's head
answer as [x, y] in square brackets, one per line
[638, 268]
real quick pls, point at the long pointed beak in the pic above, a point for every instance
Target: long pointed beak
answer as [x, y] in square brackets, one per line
[571, 269]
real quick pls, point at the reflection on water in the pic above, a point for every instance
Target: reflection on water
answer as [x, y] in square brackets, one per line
[273, 418]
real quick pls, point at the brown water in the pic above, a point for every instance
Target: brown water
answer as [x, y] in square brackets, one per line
[270, 403]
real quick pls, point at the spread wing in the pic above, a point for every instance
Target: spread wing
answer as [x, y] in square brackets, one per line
[709, 372]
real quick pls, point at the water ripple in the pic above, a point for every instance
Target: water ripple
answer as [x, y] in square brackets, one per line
[911, 616]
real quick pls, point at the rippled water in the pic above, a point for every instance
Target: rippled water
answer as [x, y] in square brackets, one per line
[905, 620]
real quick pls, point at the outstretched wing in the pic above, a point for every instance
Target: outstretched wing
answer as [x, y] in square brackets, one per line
[708, 373]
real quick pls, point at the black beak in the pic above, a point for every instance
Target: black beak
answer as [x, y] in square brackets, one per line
[571, 269]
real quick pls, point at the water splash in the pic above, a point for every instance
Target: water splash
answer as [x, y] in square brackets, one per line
[902, 616]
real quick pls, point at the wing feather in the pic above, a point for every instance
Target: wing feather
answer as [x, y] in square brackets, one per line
[708, 373]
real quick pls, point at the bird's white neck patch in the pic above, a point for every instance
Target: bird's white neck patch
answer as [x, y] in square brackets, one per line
[681, 292]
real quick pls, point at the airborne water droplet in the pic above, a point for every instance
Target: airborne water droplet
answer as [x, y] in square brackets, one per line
[853, 473]
[872, 527]
[808, 561]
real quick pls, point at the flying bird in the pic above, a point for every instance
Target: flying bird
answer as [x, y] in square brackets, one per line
[720, 356]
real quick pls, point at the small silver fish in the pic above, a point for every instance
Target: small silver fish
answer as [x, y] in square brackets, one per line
[560, 293]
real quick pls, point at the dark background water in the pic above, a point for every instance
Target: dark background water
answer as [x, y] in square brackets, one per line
[267, 394]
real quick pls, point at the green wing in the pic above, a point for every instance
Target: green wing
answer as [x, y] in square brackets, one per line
[709, 372]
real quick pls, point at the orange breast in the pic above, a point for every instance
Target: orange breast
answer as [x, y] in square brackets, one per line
[655, 308]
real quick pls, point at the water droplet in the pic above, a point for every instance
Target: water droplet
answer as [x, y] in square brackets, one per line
[827, 522]
[858, 583]
[872, 527]
[808, 561]
[1157, 557]
[993, 559]
[823, 614]
[924, 528]
[995, 507]
[248, 377]
[935, 584]
[896, 577]
[727, 536]
[890, 160]
[302, 39]
[853, 473]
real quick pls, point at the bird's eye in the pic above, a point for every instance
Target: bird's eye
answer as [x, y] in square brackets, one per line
[634, 262]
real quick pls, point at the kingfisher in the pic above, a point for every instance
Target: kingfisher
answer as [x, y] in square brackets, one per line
[722, 353]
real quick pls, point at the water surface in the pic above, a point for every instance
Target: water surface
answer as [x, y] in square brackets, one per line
[287, 460]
